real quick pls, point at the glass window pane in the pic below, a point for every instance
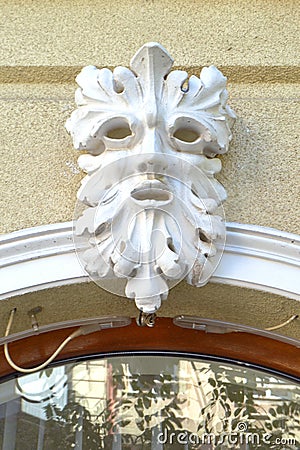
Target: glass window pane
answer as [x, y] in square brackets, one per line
[150, 402]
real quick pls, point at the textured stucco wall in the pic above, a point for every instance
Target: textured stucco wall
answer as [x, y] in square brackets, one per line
[45, 44]
[73, 32]
[220, 302]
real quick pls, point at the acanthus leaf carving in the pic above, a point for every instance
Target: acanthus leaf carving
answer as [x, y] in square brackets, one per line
[149, 209]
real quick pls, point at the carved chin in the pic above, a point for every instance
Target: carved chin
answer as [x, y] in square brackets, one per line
[153, 239]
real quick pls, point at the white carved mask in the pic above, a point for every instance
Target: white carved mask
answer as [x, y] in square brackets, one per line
[150, 212]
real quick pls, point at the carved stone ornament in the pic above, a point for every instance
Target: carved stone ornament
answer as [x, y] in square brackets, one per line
[149, 210]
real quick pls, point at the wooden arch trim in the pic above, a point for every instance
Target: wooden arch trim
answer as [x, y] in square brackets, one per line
[164, 337]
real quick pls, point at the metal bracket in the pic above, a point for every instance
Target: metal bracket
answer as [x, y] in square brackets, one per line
[32, 313]
[145, 319]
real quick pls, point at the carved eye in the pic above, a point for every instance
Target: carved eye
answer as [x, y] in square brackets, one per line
[186, 135]
[117, 129]
[119, 133]
[187, 130]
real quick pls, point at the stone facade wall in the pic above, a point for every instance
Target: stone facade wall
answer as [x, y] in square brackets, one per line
[45, 44]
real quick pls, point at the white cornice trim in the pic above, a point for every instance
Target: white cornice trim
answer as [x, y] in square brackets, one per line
[255, 257]
[261, 258]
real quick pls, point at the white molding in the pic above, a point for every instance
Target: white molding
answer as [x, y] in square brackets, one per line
[261, 258]
[38, 258]
[255, 257]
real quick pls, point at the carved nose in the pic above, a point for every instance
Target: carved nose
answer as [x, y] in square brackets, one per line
[152, 146]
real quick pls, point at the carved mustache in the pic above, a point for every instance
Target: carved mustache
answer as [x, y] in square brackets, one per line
[159, 182]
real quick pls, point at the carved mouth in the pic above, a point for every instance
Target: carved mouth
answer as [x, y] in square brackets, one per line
[153, 192]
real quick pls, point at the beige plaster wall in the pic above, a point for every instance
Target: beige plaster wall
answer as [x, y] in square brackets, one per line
[72, 33]
[221, 302]
[44, 45]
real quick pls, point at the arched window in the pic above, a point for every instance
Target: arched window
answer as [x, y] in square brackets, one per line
[143, 388]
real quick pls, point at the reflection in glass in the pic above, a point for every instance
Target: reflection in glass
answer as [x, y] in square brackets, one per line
[149, 402]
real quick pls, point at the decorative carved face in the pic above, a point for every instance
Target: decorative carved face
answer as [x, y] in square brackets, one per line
[152, 205]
